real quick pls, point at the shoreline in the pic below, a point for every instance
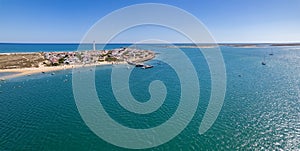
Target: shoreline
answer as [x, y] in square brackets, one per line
[18, 72]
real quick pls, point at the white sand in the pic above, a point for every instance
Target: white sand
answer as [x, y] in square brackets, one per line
[29, 71]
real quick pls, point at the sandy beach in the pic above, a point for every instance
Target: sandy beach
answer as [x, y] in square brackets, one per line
[18, 72]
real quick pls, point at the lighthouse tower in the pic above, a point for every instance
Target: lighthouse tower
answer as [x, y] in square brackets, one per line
[94, 45]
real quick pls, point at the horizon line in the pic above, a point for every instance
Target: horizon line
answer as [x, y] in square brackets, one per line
[298, 42]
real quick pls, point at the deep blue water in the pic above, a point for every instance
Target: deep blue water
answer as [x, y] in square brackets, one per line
[260, 112]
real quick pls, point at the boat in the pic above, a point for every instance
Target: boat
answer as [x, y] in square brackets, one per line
[264, 62]
[147, 66]
[139, 65]
[271, 54]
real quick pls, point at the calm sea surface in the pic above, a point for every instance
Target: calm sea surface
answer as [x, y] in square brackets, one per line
[261, 109]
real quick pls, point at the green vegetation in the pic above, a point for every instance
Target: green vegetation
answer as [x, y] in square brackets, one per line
[110, 59]
[55, 64]
[61, 60]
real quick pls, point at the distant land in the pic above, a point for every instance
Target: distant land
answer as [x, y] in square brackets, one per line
[175, 43]
[259, 44]
[243, 45]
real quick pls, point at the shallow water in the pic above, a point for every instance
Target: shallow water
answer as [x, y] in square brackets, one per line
[2, 74]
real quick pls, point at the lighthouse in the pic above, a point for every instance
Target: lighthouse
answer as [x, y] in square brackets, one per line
[94, 45]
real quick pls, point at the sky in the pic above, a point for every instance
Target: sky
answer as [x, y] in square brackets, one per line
[57, 21]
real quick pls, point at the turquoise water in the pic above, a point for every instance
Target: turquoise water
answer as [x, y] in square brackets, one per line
[261, 108]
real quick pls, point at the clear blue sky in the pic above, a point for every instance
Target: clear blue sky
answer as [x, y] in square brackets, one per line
[227, 20]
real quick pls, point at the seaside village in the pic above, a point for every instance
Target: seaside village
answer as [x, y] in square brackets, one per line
[114, 56]
[15, 62]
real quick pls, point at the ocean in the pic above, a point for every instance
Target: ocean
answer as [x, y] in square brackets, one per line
[260, 111]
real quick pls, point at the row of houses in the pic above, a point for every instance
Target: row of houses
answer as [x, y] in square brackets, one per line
[56, 58]
[87, 57]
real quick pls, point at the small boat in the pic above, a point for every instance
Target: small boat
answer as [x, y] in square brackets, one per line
[271, 54]
[264, 62]
[147, 66]
[52, 73]
[139, 65]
